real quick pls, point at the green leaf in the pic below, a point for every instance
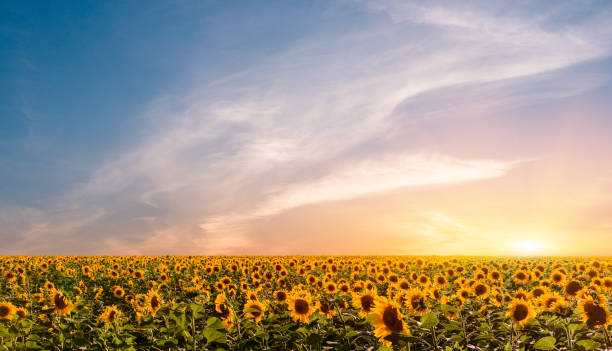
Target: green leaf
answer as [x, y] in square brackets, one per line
[546, 343]
[448, 308]
[215, 323]
[429, 321]
[31, 345]
[574, 327]
[213, 335]
[588, 345]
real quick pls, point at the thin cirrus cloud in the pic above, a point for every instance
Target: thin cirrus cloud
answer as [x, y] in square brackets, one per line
[326, 119]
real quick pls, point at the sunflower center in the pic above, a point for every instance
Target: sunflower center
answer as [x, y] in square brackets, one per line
[391, 321]
[4, 311]
[596, 315]
[520, 312]
[60, 301]
[324, 307]
[367, 302]
[480, 289]
[154, 302]
[301, 306]
[572, 288]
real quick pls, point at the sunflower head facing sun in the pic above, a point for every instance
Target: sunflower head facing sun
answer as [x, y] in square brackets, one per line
[521, 312]
[300, 305]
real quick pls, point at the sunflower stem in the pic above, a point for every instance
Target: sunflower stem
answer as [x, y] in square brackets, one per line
[569, 335]
[435, 339]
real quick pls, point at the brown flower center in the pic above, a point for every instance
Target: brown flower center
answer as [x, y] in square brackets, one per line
[4, 311]
[367, 301]
[301, 306]
[520, 312]
[391, 320]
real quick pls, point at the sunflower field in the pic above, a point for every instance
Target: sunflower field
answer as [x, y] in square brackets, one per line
[304, 303]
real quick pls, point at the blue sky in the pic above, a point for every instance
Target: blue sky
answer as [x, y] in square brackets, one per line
[258, 127]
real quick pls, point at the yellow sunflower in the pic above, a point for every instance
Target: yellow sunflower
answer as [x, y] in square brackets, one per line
[254, 310]
[521, 312]
[387, 319]
[594, 313]
[325, 308]
[153, 302]
[280, 296]
[7, 310]
[60, 303]
[415, 301]
[300, 307]
[364, 302]
[110, 314]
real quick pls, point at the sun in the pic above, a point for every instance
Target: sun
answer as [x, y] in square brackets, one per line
[528, 247]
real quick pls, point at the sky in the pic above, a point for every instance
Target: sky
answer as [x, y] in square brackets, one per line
[306, 127]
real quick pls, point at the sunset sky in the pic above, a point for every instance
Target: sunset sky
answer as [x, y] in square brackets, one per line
[306, 127]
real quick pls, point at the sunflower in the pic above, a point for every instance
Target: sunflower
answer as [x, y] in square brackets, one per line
[254, 310]
[403, 284]
[521, 312]
[553, 302]
[440, 280]
[595, 314]
[481, 290]
[387, 319]
[49, 286]
[299, 305]
[60, 303]
[364, 302]
[280, 296]
[153, 302]
[21, 313]
[118, 292]
[423, 280]
[7, 310]
[251, 295]
[495, 276]
[226, 312]
[325, 308]
[572, 287]
[415, 301]
[330, 287]
[522, 276]
[538, 291]
[557, 277]
[10, 276]
[464, 294]
[138, 274]
[110, 314]
[344, 288]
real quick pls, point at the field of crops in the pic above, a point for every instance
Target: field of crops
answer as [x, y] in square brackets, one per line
[304, 303]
